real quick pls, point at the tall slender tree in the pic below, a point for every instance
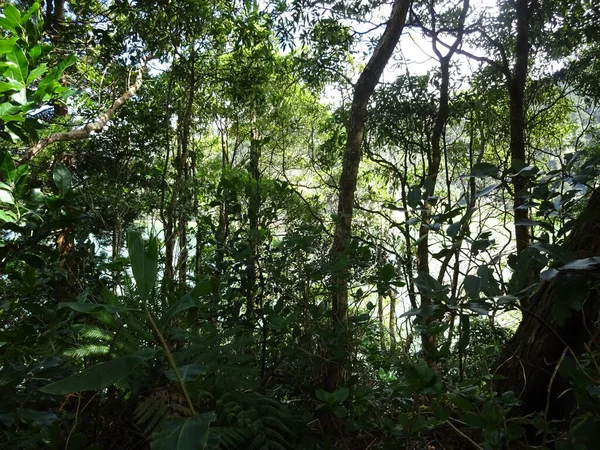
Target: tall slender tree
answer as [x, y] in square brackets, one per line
[363, 90]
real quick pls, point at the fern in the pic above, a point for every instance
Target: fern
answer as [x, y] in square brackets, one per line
[262, 422]
[86, 351]
[160, 406]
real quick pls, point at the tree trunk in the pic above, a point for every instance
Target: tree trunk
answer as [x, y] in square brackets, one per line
[362, 93]
[186, 135]
[392, 324]
[253, 216]
[530, 357]
[516, 91]
[380, 318]
[117, 243]
[434, 159]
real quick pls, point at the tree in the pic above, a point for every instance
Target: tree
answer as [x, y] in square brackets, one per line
[353, 151]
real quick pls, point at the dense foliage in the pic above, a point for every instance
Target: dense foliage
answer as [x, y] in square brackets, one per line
[267, 225]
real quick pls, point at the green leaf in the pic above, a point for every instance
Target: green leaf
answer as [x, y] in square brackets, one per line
[190, 433]
[10, 86]
[453, 229]
[413, 197]
[37, 72]
[417, 424]
[473, 420]
[62, 178]
[325, 397]
[572, 289]
[67, 62]
[12, 14]
[534, 223]
[189, 372]
[93, 307]
[7, 45]
[341, 394]
[528, 171]
[19, 97]
[7, 217]
[184, 303]
[582, 264]
[484, 169]
[101, 375]
[486, 190]
[340, 411]
[41, 418]
[430, 287]
[35, 52]
[34, 8]
[7, 167]
[6, 197]
[440, 412]
[144, 262]
[472, 286]
[8, 24]
[21, 68]
[386, 273]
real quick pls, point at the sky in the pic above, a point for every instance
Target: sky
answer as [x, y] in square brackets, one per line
[414, 51]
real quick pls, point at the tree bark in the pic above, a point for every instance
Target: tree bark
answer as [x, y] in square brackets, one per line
[530, 357]
[253, 217]
[380, 317]
[392, 322]
[85, 131]
[363, 90]
[516, 91]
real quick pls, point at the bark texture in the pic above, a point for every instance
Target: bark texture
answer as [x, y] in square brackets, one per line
[530, 357]
[516, 90]
[85, 131]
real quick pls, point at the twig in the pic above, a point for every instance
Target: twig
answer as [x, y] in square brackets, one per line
[172, 363]
[475, 444]
[561, 359]
[74, 421]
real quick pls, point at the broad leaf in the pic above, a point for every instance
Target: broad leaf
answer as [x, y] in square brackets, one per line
[413, 197]
[101, 375]
[429, 286]
[62, 178]
[12, 14]
[144, 262]
[190, 433]
[486, 190]
[183, 304]
[93, 307]
[472, 286]
[582, 264]
[484, 169]
[341, 394]
[36, 73]
[7, 167]
[189, 372]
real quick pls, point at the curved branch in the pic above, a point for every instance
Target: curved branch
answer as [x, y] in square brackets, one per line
[85, 131]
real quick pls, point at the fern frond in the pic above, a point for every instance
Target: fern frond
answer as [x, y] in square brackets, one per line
[160, 406]
[86, 351]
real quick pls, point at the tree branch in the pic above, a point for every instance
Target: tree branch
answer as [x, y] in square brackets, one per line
[85, 131]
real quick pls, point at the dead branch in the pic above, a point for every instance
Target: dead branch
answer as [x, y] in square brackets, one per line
[85, 131]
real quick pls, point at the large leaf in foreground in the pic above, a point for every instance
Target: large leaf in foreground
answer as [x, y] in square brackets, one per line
[144, 262]
[101, 375]
[190, 433]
